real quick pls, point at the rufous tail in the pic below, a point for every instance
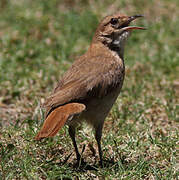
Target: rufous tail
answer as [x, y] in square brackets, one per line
[57, 118]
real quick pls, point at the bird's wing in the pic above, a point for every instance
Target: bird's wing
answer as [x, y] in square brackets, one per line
[98, 73]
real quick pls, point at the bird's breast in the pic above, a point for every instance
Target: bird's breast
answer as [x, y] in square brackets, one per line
[97, 109]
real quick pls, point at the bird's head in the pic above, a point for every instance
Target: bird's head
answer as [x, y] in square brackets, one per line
[114, 30]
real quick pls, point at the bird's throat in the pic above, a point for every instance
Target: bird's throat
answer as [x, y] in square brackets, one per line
[118, 43]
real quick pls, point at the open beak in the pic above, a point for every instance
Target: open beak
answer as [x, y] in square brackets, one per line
[130, 19]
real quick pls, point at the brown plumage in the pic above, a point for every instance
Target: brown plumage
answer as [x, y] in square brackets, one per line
[90, 87]
[56, 120]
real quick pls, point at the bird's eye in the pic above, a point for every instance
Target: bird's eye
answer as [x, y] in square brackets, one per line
[114, 21]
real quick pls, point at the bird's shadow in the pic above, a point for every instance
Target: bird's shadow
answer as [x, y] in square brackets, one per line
[82, 166]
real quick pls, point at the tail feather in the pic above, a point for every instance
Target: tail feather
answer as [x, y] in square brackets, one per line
[57, 119]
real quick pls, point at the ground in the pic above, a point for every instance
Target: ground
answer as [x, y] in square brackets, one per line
[39, 40]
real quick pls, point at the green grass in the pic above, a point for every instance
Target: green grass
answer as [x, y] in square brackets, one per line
[39, 41]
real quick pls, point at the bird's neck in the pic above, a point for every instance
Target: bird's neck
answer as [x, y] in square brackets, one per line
[115, 43]
[106, 49]
[118, 44]
[118, 50]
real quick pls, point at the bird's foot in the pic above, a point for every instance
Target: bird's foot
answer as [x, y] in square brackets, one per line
[80, 162]
[81, 165]
[106, 163]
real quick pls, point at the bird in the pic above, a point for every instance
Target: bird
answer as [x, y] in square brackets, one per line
[89, 88]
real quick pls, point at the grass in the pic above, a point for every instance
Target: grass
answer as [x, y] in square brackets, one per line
[39, 41]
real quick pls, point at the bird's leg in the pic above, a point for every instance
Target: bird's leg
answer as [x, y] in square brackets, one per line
[71, 131]
[98, 134]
